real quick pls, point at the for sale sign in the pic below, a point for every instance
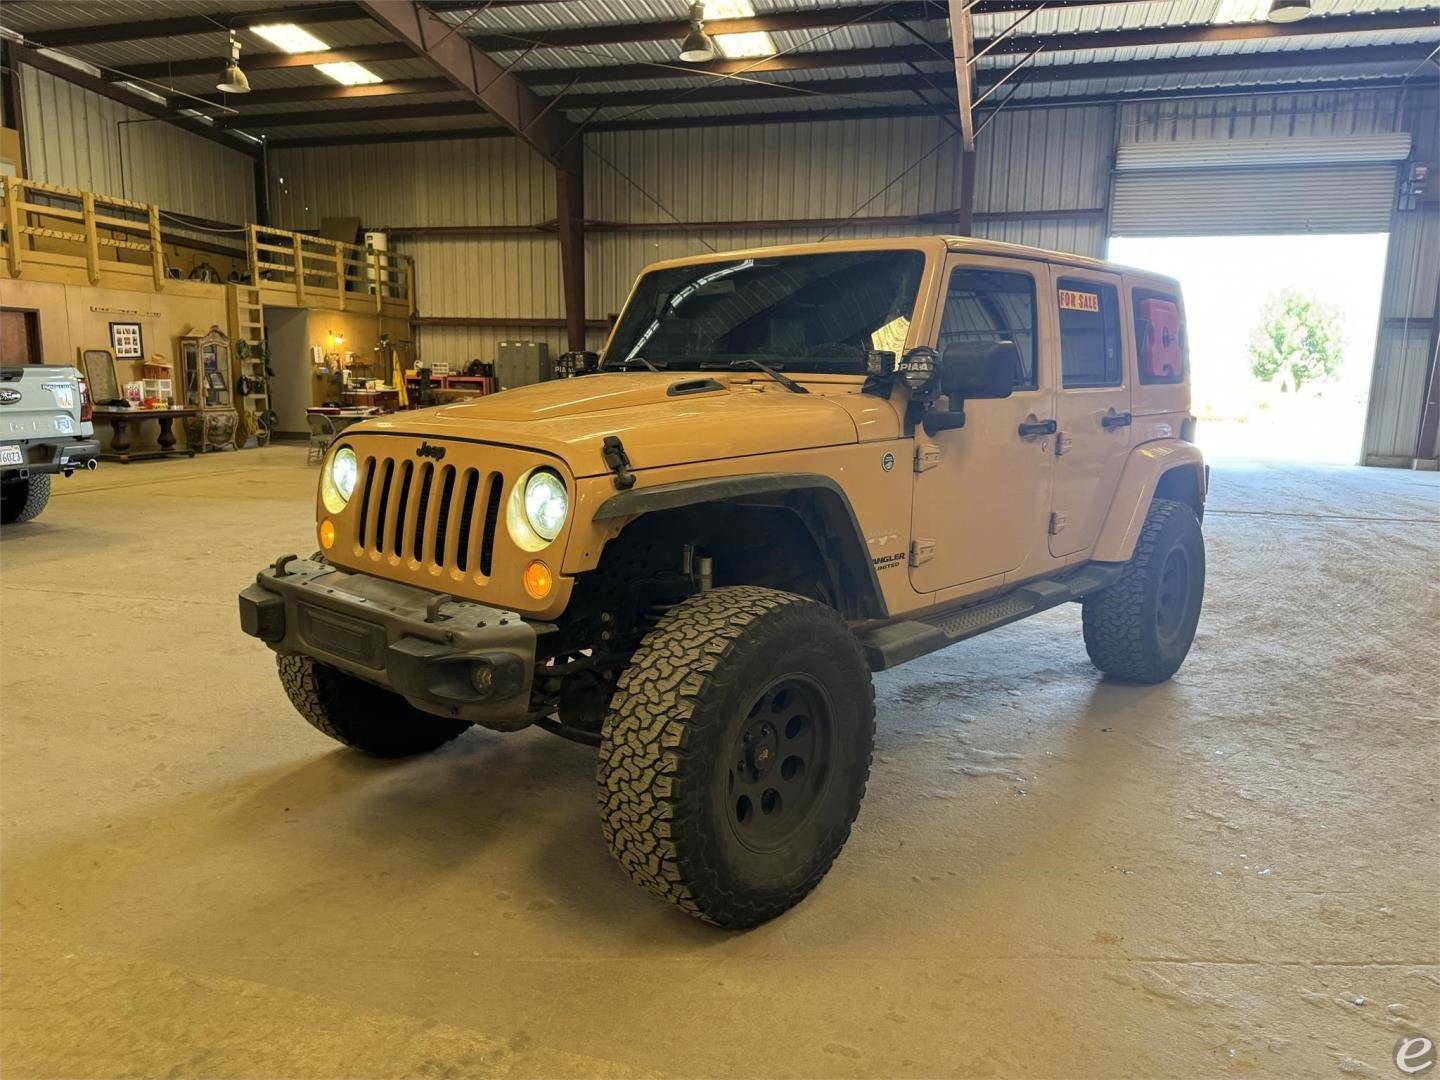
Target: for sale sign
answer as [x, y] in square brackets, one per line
[1075, 300]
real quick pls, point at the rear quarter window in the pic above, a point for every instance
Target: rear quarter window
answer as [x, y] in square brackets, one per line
[1159, 337]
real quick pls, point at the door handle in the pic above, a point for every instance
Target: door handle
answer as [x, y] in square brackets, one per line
[1115, 420]
[1038, 427]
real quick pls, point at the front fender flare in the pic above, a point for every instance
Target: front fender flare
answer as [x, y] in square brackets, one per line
[839, 516]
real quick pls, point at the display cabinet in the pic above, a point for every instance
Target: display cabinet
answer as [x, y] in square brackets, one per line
[205, 386]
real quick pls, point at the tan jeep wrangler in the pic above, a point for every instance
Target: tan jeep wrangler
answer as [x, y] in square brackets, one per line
[792, 467]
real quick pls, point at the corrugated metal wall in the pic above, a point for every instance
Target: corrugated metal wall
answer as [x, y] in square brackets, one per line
[83, 140]
[474, 182]
[1408, 305]
[1056, 161]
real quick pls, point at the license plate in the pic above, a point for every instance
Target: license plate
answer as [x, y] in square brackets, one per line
[11, 455]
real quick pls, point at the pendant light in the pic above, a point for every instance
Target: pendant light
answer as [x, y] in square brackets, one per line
[232, 79]
[697, 48]
[1288, 11]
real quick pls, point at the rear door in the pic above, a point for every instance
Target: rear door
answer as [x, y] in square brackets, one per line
[1092, 409]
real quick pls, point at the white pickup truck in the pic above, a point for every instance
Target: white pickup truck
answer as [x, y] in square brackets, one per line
[45, 428]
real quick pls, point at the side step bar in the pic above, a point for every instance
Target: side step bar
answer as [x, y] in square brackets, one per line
[887, 646]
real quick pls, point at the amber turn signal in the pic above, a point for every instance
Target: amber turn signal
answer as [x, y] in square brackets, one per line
[538, 580]
[327, 534]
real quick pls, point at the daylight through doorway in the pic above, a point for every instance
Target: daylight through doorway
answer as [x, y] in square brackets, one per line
[1282, 338]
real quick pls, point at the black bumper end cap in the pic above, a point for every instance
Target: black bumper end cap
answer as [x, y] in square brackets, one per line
[262, 614]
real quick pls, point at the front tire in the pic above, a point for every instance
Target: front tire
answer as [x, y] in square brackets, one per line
[354, 712]
[1140, 629]
[22, 500]
[735, 753]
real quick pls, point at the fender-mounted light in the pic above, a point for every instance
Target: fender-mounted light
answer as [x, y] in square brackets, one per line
[538, 580]
[327, 534]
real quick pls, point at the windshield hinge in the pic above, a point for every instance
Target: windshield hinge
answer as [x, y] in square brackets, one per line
[927, 456]
[618, 462]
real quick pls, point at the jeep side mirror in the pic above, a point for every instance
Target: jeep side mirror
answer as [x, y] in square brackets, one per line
[979, 369]
[969, 370]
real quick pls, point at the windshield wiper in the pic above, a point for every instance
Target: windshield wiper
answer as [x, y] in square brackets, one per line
[749, 361]
[628, 362]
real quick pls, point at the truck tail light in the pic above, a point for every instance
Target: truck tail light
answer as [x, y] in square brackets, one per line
[87, 409]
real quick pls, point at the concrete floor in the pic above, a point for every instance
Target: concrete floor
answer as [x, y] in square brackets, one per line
[1237, 872]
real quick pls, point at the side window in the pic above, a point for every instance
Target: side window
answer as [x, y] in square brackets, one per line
[993, 305]
[1159, 336]
[1089, 334]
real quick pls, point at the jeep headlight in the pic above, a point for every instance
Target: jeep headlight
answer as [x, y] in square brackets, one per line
[546, 504]
[337, 483]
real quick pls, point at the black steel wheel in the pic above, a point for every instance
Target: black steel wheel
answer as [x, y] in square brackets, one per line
[735, 753]
[780, 763]
[1140, 629]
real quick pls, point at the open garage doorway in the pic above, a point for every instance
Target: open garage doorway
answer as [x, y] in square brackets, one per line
[1281, 334]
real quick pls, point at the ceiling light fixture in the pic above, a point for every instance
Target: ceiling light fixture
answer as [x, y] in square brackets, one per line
[1288, 11]
[289, 38]
[697, 48]
[232, 79]
[750, 44]
[349, 74]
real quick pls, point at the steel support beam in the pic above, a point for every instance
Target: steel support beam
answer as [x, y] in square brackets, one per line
[357, 115]
[114, 92]
[511, 102]
[267, 61]
[330, 91]
[570, 224]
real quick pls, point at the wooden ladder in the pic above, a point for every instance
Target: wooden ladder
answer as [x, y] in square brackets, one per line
[247, 324]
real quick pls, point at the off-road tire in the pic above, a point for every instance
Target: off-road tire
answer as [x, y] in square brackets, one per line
[665, 751]
[1125, 628]
[22, 500]
[360, 715]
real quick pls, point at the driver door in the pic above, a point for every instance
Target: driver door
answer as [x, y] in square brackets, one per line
[982, 492]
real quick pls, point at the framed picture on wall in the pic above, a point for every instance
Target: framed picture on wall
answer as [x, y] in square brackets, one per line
[126, 342]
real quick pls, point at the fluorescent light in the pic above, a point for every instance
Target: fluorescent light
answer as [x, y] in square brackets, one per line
[349, 74]
[754, 43]
[290, 38]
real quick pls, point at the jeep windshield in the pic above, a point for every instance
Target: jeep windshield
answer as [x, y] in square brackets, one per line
[825, 313]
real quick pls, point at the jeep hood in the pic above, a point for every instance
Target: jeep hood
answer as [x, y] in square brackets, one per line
[570, 418]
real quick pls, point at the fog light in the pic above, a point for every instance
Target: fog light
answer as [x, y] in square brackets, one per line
[482, 677]
[327, 534]
[538, 580]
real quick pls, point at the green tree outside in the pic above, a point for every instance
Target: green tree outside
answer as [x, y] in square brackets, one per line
[1298, 339]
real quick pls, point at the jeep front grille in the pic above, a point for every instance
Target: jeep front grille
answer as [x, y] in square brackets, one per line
[425, 514]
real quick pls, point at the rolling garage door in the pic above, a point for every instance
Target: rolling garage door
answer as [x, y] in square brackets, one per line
[1297, 184]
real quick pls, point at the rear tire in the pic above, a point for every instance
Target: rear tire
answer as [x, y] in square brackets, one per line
[1140, 629]
[359, 714]
[22, 500]
[735, 753]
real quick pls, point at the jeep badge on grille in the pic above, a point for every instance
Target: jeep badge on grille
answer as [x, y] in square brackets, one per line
[426, 450]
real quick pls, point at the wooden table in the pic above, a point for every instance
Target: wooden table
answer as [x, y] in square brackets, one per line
[343, 418]
[120, 421]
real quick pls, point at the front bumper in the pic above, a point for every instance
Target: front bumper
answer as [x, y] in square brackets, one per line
[55, 456]
[448, 657]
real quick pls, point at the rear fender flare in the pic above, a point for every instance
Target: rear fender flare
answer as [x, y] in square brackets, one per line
[1144, 473]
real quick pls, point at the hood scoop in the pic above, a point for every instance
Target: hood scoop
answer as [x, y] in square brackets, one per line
[694, 386]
